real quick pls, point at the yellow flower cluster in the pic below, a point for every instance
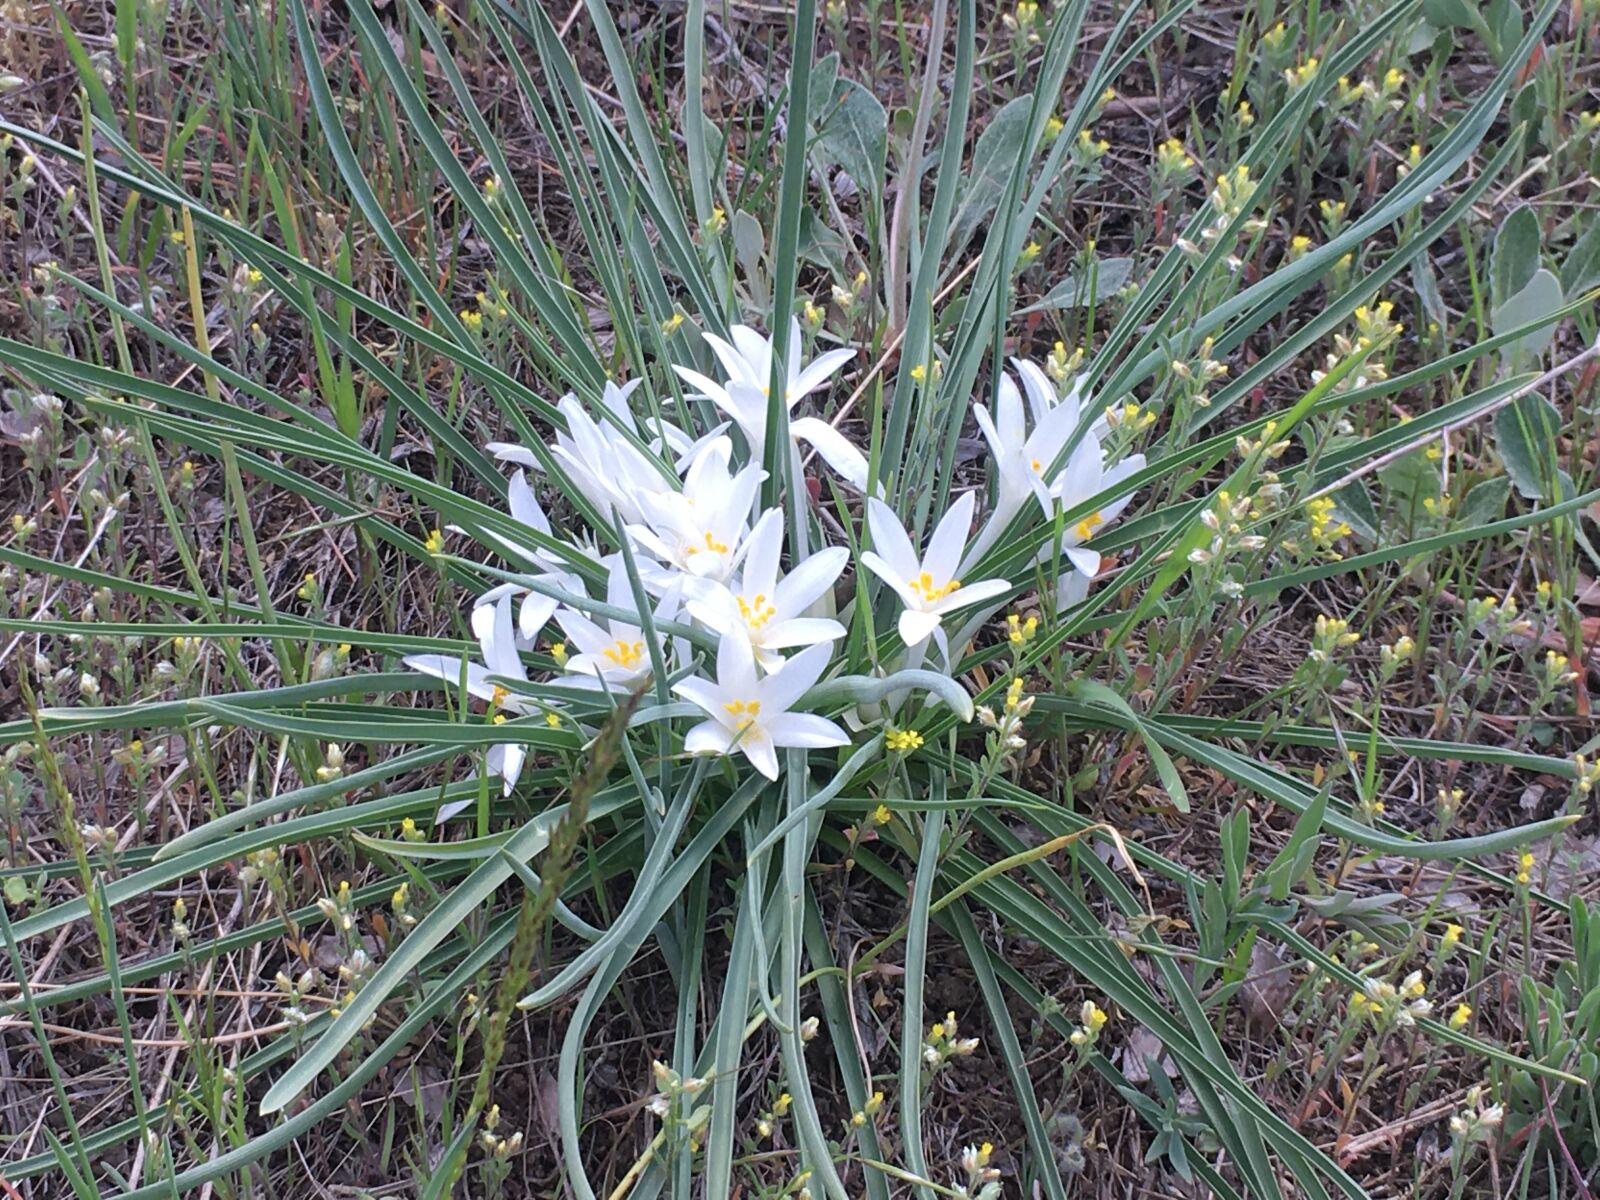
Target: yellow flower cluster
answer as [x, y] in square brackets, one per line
[1386, 1004]
[1373, 322]
[1020, 632]
[1091, 1020]
[1525, 862]
[902, 741]
[1130, 415]
[867, 1111]
[1557, 669]
[1060, 363]
[1587, 774]
[1301, 74]
[1172, 159]
[945, 1042]
[1325, 529]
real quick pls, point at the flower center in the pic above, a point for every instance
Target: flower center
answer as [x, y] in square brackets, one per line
[745, 713]
[757, 611]
[625, 654]
[711, 544]
[925, 588]
[1087, 526]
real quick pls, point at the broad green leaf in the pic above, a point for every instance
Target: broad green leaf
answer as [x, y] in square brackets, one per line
[1445, 13]
[1515, 256]
[1525, 434]
[1085, 289]
[1486, 501]
[993, 159]
[1580, 267]
[853, 134]
[1539, 300]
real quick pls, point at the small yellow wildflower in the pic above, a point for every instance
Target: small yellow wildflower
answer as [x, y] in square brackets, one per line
[1525, 863]
[1020, 632]
[902, 741]
[1459, 1018]
[1172, 159]
[1302, 74]
[434, 543]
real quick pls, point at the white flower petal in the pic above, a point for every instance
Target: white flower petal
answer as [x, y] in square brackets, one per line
[801, 631]
[448, 668]
[805, 730]
[704, 385]
[1085, 562]
[848, 463]
[890, 541]
[943, 557]
[916, 625]
[513, 453]
[534, 614]
[736, 667]
[780, 691]
[816, 373]
[708, 737]
[505, 760]
[801, 587]
[701, 692]
[758, 748]
[971, 593]
[893, 578]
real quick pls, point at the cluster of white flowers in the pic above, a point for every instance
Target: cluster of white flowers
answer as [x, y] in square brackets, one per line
[710, 558]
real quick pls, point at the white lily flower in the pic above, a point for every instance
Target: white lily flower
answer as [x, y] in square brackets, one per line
[536, 608]
[1023, 460]
[1043, 396]
[928, 587]
[497, 642]
[749, 360]
[1071, 489]
[768, 610]
[748, 364]
[612, 652]
[700, 531]
[750, 713]
[610, 471]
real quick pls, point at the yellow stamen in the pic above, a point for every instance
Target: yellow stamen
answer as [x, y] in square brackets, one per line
[625, 654]
[756, 611]
[930, 592]
[712, 545]
[746, 711]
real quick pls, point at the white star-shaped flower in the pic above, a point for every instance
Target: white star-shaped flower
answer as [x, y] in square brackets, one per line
[750, 713]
